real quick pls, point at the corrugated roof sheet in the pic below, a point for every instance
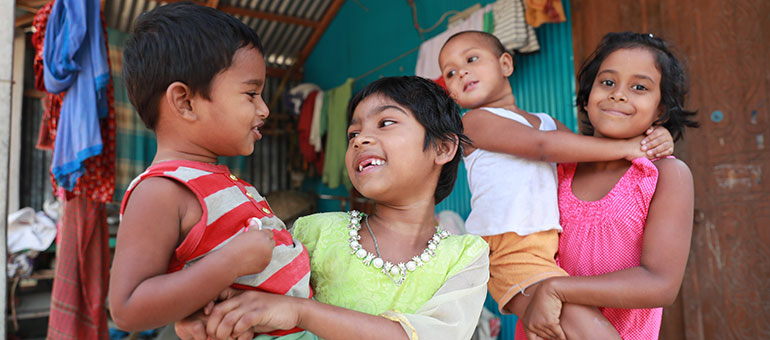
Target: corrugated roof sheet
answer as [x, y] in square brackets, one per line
[282, 40]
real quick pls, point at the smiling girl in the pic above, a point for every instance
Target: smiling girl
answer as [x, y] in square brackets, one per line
[627, 224]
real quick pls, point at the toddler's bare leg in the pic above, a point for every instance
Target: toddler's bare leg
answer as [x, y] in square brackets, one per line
[586, 322]
[578, 321]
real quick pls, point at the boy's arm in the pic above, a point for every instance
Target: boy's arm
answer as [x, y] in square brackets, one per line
[142, 295]
[665, 247]
[494, 133]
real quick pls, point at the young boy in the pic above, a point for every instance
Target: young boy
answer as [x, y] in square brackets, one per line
[195, 76]
[513, 180]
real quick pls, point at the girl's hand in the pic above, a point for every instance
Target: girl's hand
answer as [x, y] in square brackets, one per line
[658, 142]
[541, 319]
[192, 327]
[253, 311]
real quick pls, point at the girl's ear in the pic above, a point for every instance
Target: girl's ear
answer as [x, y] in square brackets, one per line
[662, 117]
[506, 63]
[446, 150]
[179, 99]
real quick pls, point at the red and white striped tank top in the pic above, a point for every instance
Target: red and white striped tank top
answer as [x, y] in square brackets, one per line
[228, 203]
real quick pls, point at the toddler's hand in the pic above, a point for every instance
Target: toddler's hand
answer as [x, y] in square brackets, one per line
[658, 142]
[541, 319]
[252, 250]
[634, 147]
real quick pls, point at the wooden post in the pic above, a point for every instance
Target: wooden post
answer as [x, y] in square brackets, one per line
[6, 75]
[331, 12]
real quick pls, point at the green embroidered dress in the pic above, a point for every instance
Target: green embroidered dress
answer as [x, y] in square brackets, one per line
[439, 300]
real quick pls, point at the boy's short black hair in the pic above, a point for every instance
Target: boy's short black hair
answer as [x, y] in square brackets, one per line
[673, 80]
[180, 42]
[433, 109]
[491, 40]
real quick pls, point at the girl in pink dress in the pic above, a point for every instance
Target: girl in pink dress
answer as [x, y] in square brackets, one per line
[627, 225]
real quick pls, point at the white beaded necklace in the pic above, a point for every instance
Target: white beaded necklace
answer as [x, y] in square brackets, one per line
[397, 273]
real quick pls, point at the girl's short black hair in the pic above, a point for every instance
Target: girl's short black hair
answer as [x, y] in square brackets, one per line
[673, 84]
[180, 42]
[433, 109]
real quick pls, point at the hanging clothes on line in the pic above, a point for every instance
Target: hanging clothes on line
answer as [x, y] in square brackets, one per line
[79, 293]
[98, 178]
[75, 60]
[294, 99]
[310, 108]
[334, 170]
[512, 28]
[427, 56]
[315, 125]
[544, 11]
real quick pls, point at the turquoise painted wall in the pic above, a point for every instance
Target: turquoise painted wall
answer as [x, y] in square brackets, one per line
[368, 33]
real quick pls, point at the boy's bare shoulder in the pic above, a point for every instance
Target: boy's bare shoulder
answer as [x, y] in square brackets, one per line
[156, 195]
[158, 188]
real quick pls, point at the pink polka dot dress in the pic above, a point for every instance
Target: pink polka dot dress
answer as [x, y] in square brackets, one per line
[606, 235]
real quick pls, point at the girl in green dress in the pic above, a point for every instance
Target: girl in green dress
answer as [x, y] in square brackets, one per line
[394, 274]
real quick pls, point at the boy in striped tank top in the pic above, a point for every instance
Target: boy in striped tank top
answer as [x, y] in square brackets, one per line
[195, 76]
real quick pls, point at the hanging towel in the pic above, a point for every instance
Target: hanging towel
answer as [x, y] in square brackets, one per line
[75, 60]
[427, 56]
[512, 28]
[335, 172]
[315, 124]
[304, 126]
[544, 11]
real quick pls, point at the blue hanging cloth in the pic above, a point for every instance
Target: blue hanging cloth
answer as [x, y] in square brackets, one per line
[75, 60]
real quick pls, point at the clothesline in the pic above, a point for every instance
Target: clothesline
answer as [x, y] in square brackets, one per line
[458, 16]
[379, 67]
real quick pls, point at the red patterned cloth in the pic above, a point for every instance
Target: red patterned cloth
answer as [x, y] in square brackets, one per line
[78, 299]
[98, 181]
[80, 284]
[51, 102]
[303, 131]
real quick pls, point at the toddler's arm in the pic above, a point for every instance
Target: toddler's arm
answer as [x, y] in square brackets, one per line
[494, 133]
[142, 295]
[666, 244]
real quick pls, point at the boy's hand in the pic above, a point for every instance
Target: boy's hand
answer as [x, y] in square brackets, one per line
[252, 311]
[541, 319]
[250, 251]
[658, 142]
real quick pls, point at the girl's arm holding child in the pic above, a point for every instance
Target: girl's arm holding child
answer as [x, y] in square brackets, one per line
[449, 314]
[157, 216]
[656, 282]
[494, 133]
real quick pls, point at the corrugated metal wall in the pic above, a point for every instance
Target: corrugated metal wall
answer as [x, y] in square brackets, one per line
[542, 82]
